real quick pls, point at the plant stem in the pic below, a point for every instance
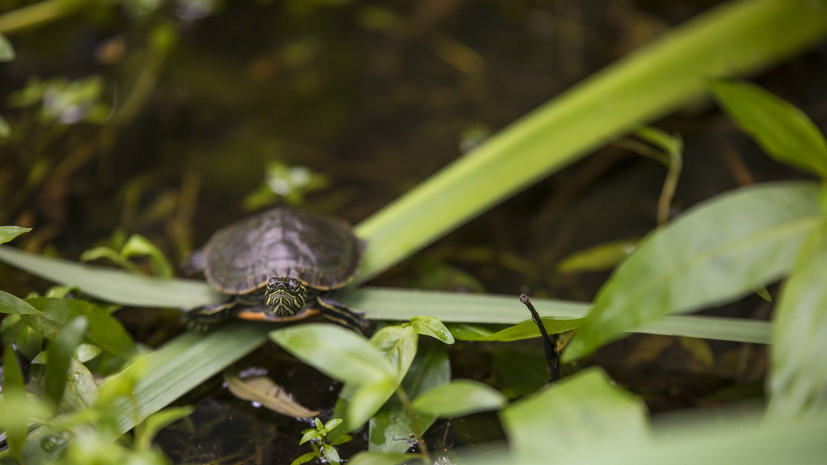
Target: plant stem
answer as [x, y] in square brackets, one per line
[420, 442]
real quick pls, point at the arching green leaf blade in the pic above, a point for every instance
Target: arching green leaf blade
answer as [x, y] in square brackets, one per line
[718, 251]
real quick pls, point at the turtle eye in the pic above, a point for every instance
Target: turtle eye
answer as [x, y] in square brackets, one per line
[293, 284]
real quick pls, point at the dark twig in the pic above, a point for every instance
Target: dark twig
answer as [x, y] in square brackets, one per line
[549, 342]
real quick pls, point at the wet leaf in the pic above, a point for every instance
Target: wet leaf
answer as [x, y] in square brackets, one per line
[571, 416]
[330, 453]
[81, 391]
[263, 390]
[336, 352]
[798, 373]
[525, 330]
[8, 233]
[391, 426]
[458, 398]
[430, 326]
[60, 353]
[782, 130]
[597, 258]
[716, 252]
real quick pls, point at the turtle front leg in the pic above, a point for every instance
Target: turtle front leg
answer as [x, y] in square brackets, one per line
[343, 316]
[202, 319]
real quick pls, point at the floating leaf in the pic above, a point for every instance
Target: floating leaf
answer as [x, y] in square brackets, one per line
[572, 416]
[458, 398]
[264, 391]
[717, 252]
[798, 372]
[782, 130]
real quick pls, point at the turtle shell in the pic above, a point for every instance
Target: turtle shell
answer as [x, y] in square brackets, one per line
[320, 251]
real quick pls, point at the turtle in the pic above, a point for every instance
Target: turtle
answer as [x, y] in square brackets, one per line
[279, 265]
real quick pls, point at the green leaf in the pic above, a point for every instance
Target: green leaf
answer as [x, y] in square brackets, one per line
[376, 458]
[59, 355]
[336, 352]
[304, 458]
[379, 303]
[15, 306]
[782, 130]
[458, 398]
[17, 410]
[6, 49]
[365, 401]
[525, 330]
[573, 415]
[104, 329]
[330, 453]
[81, 391]
[138, 246]
[8, 233]
[263, 390]
[430, 326]
[718, 251]
[391, 426]
[332, 424]
[598, 258]
[12, 376]
[798, 373]
[309, 435]
[156, 422]
[108, 253]
[398, 343]
[114, 285]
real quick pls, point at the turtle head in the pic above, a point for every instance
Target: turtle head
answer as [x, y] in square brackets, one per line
[285, 296]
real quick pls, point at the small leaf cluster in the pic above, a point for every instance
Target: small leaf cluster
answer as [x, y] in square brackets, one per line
[322, 448]
[121, 250]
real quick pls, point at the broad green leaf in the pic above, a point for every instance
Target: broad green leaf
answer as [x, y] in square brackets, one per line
[782, 130]
[718, 251]
[12, 376]
[458, 398]
[430, 326]
[137, 246]
[391, 426]
[336, 352]
[15, 306]
[15, 429]
[17, 410]
[263, 390]
[81, 391]
[8, 233]
[60, 353]
[525, 330]
[156, 422]
[572, 415]
[377, 458]
[366, 400]
[104, 329]
[398, 343]
[598, 258]
[798, 369]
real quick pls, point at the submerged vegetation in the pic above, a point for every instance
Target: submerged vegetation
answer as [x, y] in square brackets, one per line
[447, 377]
